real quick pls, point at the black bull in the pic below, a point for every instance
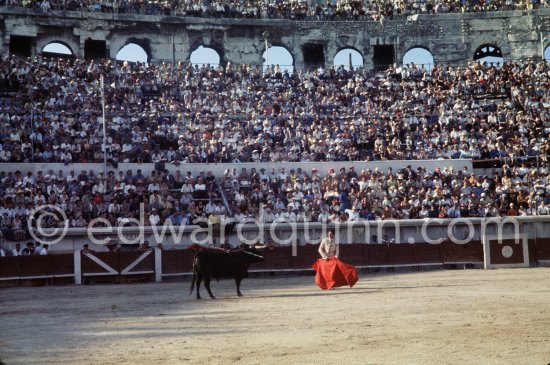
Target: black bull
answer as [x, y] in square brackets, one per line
[212, 264]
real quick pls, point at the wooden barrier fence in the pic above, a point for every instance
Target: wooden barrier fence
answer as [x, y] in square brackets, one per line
[158, 264]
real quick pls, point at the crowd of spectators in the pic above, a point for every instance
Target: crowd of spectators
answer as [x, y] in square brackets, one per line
[177, 199]
[348, 10]
[349, 195]
[182, 114]
[276, 195]
[30, 249]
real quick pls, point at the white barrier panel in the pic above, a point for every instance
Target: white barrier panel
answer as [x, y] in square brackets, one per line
[521, 244]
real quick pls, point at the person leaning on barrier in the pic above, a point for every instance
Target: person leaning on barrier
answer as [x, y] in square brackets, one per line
[28, 250]
[144, 247]
[113, 247]
[17, 251]
[86, 249]
[386, 240]
[44, 250]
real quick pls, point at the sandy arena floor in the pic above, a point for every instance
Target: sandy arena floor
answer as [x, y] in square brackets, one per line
[438, 317]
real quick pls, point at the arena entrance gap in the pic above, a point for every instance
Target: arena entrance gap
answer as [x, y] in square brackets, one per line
[384, 56]
[314, 56]
[21, 45]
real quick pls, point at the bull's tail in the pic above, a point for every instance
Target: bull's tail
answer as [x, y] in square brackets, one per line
[194, 278]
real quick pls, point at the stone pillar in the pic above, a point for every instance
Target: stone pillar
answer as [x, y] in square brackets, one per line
[239, 50]
[298, 60]
[330, 52]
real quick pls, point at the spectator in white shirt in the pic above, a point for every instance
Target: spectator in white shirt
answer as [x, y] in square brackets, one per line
[44, 251]
[220, 209]
[17, 251]
[66, 157]
[154, 218]
[210, 208]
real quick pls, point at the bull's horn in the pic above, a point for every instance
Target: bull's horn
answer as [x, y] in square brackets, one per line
[253, 254]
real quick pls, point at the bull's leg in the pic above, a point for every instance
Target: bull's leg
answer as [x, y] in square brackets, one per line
[238, 282]
[207, 285]
[199, 279]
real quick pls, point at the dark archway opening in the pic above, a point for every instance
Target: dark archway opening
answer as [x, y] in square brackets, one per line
[94, 49]
[314, 56]
[383, 57]
[21, 45]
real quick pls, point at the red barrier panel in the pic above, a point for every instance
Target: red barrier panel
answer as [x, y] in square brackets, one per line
[425, 253]
[401, 254]
[294, 261]
[471, 252]
[177, 261]
[532, 245]
[543, 248]
[306, 256]
[33, 266]
[376, 254]
[10, 267]
[25, 267]
[353, 254]
[61, 265]
[507, 252]
[278, 258]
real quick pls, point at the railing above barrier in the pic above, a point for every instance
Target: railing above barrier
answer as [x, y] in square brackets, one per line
[402, 231]
[218, 169]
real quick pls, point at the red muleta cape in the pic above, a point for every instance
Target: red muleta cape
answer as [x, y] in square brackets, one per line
[333, 273]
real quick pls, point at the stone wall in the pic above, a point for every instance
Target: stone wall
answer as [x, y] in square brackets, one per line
[451, 38]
